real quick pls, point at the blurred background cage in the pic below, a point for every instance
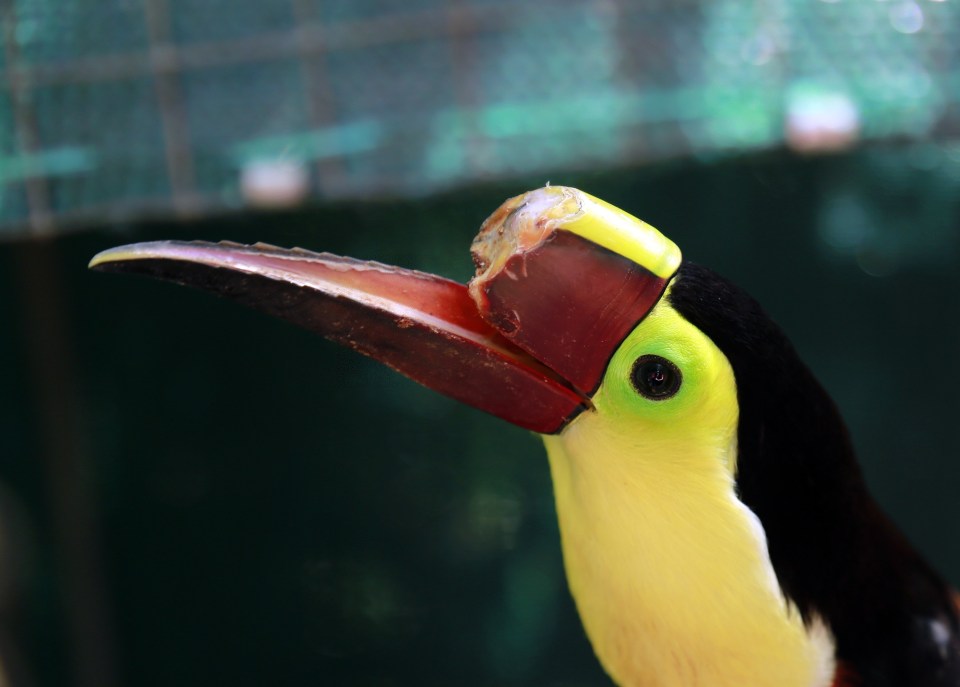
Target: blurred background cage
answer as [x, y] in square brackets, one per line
[134, 108]
[192, 496]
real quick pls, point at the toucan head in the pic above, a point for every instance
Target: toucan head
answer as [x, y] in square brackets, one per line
[566, 313]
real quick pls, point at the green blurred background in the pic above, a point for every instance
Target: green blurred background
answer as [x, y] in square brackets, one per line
[193, 494]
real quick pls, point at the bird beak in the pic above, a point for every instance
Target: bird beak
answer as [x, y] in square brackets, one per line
[562, 277]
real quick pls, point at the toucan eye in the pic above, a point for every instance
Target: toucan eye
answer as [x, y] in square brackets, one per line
[655, 378]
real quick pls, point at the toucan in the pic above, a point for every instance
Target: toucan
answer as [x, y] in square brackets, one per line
[715, 526]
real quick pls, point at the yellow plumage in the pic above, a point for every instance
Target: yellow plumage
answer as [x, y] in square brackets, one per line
[663, 560]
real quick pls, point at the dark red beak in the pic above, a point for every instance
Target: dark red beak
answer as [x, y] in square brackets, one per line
[529, 344]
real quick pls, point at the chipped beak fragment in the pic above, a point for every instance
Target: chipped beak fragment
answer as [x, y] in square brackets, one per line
[566, 277]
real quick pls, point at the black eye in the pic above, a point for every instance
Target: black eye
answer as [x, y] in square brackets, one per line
[655, 377]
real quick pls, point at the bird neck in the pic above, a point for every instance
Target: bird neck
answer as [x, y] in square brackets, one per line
[670, 570]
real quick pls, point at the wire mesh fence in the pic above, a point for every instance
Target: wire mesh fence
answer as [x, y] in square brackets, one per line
[118, 109]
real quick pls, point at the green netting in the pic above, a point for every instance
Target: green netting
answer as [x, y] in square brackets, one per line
[122, 107]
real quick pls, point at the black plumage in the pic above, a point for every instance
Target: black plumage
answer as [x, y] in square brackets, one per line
[835, 554]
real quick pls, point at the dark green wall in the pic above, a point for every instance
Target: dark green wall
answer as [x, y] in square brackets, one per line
[241, 503]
